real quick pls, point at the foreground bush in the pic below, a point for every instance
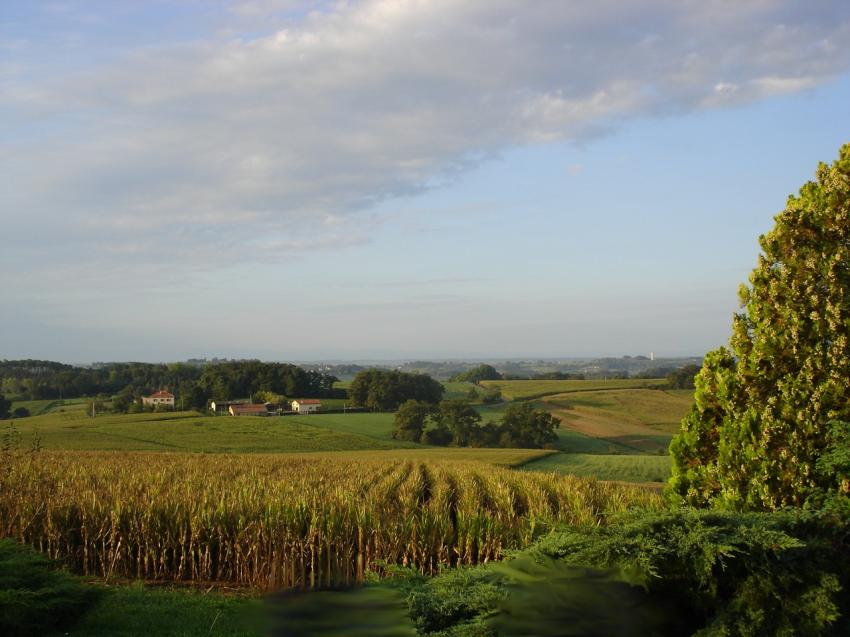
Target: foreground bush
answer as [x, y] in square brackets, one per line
[667, 574]
[36, 597]
[784, 573]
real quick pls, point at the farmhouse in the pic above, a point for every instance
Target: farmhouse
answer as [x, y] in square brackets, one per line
[306, 406]
[159, 398]
[247, 409]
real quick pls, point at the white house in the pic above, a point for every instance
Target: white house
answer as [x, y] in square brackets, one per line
[306, 406]
[161, 397]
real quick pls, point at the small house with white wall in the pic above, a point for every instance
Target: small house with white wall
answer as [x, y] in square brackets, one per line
[159, 399]
[306, 406]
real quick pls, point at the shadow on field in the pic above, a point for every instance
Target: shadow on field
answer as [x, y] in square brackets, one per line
[537, 599]
[377, 611]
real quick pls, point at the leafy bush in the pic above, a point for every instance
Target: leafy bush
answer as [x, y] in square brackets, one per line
[35, 596]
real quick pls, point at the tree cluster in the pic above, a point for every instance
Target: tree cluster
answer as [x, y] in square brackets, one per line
[477, 374]
[456, 423]
[385, 390]
[558, 376]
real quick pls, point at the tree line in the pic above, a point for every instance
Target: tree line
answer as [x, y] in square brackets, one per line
[194, 385]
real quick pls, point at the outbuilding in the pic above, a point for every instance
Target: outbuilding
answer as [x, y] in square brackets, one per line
[248, 409]
[306, 406]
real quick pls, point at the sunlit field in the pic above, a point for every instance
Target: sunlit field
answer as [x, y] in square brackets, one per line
[268, 521]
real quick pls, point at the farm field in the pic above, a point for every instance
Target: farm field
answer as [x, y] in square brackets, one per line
[39, 407]
[377, 425]
[622, 468]
[268, 521]
[527, 389]
[136, 610]
[188, 431]
[458, 389]
[628, 420]
[609, 422]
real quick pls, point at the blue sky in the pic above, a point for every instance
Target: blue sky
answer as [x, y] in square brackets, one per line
[400, 179]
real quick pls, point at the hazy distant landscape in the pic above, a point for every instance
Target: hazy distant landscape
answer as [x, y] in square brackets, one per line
[457, 318]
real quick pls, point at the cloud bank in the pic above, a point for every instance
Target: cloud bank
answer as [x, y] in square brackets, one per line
[248, 146]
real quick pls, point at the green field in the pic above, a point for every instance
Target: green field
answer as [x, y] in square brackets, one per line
[626, 427]
[623, 468]
[39, 407]
[188, 431]
[359, 436]
[135, 610]
[526, 389]
[629, 420]
[459, 389]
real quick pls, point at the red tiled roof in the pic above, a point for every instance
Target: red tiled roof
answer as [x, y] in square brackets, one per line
[308, 401]
[245, 408]
[161, 394]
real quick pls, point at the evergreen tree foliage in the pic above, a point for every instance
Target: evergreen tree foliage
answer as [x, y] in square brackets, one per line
[764, 406]
[36, 597]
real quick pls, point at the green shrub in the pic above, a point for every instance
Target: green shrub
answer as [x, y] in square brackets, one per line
[456, 603]
[35, 596]
[705, 574]
[725, 574]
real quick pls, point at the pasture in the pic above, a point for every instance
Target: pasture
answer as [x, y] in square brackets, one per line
[621, 468]
[628, 420]
[40, 407]
[268, 521]
[189, 431]
[529, 389]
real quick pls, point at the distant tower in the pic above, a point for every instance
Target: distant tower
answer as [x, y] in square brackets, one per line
[652, 356]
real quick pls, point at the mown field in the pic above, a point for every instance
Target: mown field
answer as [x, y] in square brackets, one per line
[629, 420]
[189, 431]
[527, 389]
[622, 468]
[39, 407]
[268, 521]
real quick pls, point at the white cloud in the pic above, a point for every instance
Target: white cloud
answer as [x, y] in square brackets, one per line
[221, 150]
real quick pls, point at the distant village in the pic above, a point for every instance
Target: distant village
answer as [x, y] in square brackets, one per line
[165, 400]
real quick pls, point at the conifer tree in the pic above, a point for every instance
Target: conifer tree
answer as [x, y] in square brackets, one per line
[765, 406]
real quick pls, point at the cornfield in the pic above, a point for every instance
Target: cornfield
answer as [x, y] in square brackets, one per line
[277, 522]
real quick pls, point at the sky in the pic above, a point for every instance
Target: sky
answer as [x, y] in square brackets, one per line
[292, 180]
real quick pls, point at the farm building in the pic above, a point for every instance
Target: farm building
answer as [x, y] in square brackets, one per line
[222, 406]
[158, 398]
[306, 406]
[247, 409]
